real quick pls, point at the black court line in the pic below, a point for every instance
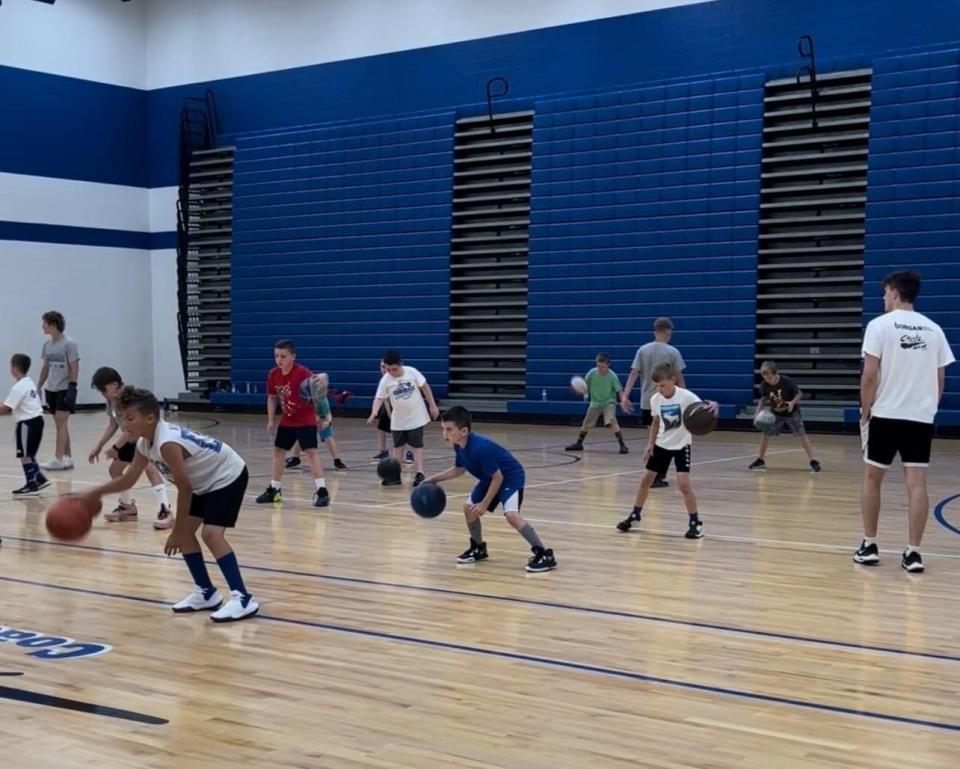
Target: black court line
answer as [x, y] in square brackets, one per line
[553, 662]
[11, 674]
[652, 618]
[50, 701]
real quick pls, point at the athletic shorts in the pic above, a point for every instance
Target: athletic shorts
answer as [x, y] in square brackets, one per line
[29, 433]
[383, 420]
[593, 413]
[305, 435]
[793, 421]
[221, 507]
[888, 437]
[510, 497]
[56, 400]
[411, 438]
[646, 417]
[127, 452]
[325, 434]
[661, 458]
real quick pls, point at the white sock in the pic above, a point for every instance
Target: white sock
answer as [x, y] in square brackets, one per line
[320, 483]
[869, 541]
[126, 498]
[912, 549]
[160, 492]
[275, 484]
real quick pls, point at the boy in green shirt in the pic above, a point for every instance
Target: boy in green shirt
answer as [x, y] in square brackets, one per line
[603, 387]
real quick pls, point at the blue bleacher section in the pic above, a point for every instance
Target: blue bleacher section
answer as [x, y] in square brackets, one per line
[645, 203]
[913, 193]
[341, 243]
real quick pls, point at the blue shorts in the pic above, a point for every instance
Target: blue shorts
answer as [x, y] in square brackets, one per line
[326, 432]
[511, 497]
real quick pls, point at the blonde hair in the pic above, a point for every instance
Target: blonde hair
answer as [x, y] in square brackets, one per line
[768, 367]
[663, 372]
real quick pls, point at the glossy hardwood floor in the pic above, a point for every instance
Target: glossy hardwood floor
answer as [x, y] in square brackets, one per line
[761, 646]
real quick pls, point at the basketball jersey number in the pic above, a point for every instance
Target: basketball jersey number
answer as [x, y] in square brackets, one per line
[211, 444]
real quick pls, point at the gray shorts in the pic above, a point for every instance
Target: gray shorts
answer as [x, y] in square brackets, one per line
[793, 420]
[593, 412]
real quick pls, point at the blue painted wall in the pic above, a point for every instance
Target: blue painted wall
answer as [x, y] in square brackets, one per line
[913, 191]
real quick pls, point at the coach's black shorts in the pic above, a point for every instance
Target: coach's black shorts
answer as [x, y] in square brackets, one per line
[127, 452]
[889, 437]
[661, 458]
[29, 434]
[287, 436]
[383, 420]
[57, 400]
[411, 438]
[222, 506]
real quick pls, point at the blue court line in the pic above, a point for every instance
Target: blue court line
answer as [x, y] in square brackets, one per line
[938, 513]
[773, 635]
[545, 661]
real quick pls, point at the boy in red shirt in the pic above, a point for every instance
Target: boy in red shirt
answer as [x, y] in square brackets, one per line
[298, 422]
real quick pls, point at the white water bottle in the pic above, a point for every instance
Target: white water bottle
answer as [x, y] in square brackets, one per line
[543, 394]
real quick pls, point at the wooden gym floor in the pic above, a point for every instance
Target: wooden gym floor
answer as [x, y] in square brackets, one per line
[761, 646]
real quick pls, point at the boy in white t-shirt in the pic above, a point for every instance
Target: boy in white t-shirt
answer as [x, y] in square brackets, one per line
[409, 396]
[27, 409]
[905, 355]
[211, 480]
[670, 441]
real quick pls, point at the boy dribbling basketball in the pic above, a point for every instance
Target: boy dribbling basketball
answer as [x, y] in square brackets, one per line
[670, 441]
[211, 479]
[782, 396]
[603, 387]
[500, 482]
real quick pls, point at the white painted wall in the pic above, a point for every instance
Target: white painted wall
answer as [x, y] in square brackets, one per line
[100, 40]
[104, 293]
[190, 41]
[167, 369]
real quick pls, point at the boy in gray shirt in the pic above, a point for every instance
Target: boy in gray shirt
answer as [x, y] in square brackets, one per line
[648, 357]
[60, 371]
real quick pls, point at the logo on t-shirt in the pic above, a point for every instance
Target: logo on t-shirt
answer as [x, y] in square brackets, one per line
[403, 390]
[670, 414]
[912, 342]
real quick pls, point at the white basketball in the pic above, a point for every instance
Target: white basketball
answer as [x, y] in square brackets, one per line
[579, 385]
[764, 418]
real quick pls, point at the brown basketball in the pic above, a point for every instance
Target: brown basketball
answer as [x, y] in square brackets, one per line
[68, 519]
[699, 419]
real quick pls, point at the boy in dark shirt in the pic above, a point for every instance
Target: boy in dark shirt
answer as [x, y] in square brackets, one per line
[781, 395]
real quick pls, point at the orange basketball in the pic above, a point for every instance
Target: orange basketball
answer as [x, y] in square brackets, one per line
[68, 519]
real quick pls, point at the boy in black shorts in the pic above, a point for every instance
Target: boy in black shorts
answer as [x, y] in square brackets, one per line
[781, 395]
[25, 405]
[670, 442]
[108, 382]
[211, 479]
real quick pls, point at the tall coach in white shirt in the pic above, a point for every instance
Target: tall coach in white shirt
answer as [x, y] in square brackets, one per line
[904, 357]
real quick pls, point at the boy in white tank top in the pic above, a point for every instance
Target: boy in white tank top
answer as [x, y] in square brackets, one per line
[211, 479]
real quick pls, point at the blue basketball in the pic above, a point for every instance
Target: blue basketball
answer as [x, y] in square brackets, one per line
[306, 390]
[428, 500]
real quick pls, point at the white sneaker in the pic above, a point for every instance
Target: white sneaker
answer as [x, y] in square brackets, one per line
[53, 464]
[239, 607]
[66, 463]
[196, 602]
[165, 519]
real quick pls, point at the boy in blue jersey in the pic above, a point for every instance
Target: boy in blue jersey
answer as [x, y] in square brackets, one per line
[500, 481]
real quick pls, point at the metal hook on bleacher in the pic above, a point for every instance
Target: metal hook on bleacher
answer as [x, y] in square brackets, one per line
[491, 96]
[806, 50]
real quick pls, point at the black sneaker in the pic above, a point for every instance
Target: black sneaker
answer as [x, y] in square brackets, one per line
[659, 483]
[578, 446]
[321, 498]
[381, 455]
[291, 462]
[418, 479]
[624, 449]
[476, 552]
[757, 464]
[912, 561]
[391, 482]
[338, 464]
[42, 481]
[408, 458]
[694, 530]
[27, 490]
[542, 560]
[627, 522]
[270, 495]
[868, 555]
[815, 466]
